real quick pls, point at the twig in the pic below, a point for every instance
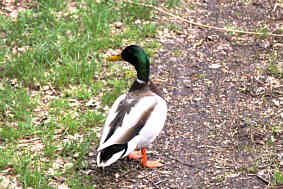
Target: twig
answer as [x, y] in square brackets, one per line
[266, 182]
[186, 164]
[126, 173]
[203, 25]
[155, 185]
[160, 181]
[262, 179]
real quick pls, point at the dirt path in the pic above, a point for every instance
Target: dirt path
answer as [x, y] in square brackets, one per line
[223, 129]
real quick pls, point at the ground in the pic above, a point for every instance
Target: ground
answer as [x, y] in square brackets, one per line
[224, 95]
[222, 106]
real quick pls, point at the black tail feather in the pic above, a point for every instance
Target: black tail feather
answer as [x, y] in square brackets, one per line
[108, 152]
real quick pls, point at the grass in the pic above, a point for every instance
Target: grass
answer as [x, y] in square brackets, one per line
[275, 66]
[55, 87]
[278, 177]
[272, 68]
[171, 3]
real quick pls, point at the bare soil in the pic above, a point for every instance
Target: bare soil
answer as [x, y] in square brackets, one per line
[224, 106]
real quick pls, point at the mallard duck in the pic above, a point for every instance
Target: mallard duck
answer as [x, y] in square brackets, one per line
[136, 118]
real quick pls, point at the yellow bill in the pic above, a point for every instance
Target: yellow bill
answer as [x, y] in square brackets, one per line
[114, 58]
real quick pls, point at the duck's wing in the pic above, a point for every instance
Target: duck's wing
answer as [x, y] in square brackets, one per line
[126, 119]
[111, 116]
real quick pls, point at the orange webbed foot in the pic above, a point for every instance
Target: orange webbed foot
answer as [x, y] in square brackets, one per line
[149, 164]
[152, 164]
[135, 155]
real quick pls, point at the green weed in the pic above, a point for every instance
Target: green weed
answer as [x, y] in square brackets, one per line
[273, 69]
[278, 177]
[171, 3]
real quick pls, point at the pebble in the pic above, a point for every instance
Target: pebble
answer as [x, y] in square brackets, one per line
[214, 66]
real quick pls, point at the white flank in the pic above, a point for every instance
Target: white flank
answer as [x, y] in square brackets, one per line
[154, 124]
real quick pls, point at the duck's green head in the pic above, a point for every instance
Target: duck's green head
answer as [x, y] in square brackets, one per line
[136, 56]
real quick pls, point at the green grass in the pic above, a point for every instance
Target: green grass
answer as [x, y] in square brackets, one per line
[275, 66]
[238, 14]
[176, 52]
[278, 177]
[171, 3]
[55, 85]
[272, 68]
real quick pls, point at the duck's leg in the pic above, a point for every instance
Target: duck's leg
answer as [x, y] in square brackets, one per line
[135, 155]
[149, 164]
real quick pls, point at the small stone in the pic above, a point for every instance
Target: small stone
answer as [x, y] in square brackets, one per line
[280, 66]
[118, 24]
[91, 102]
[264, 44]
[214, 66]
[90, 154]
[63, 186]
[187, 83]
[172, 59]
[117, 175]
[260, 91]
[138, 21]
[45, 88]
[276, 102]
[273, 82]
[281, 158]
[197, 99]
[68, 165]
